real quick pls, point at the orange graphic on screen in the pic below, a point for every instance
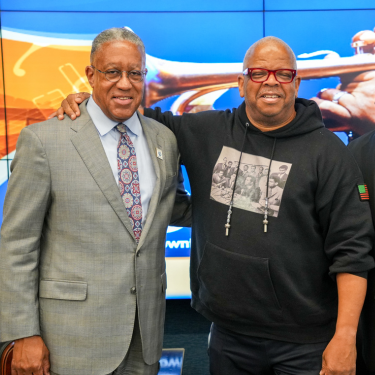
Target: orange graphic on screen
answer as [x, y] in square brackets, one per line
[36, 79]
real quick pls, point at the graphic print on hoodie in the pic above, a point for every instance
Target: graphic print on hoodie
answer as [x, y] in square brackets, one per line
[250, 187]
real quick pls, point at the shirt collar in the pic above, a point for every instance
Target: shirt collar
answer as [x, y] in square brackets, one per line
[104, 125]
[133, 124]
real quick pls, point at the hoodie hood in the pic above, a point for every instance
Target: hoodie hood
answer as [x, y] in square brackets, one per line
[308, 119]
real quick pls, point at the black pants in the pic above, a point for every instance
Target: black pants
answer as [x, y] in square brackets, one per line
[236, 354]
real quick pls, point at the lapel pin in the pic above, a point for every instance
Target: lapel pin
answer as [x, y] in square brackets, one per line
[159, 153]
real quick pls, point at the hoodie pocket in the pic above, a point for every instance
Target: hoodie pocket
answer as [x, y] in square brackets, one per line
[238, 287]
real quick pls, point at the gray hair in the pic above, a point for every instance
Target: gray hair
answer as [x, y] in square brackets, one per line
[270, 40]
[116, 33]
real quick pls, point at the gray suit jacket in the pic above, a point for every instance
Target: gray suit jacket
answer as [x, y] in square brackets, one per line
[70, 268]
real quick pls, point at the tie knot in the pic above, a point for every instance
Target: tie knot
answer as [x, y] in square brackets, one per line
[121, 128]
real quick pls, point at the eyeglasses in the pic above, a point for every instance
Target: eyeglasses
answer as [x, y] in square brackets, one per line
[114, 75]
[260, 75]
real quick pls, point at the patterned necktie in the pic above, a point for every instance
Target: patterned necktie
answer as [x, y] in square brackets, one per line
[128, 180]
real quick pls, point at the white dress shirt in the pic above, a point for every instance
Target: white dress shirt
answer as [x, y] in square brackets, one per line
[110, 137]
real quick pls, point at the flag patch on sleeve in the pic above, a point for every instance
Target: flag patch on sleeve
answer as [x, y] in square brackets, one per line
[363, 192]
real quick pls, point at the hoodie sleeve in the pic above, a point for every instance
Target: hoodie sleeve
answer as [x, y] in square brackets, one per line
[190, 127]
[166, 118]
[344, 218]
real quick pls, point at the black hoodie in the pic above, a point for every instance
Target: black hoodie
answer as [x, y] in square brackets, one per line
[277, 284]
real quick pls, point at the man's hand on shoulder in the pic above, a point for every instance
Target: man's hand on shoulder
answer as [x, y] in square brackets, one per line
[30, 356]
[70, 106]
[141, 110]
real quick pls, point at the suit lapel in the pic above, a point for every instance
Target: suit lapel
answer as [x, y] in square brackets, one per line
[154, 142]
[87, 143]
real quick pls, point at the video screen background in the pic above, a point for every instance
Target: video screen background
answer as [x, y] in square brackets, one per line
[195, 32]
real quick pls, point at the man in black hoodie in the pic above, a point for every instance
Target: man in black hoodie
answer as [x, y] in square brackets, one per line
[283, 288]
[363, 149]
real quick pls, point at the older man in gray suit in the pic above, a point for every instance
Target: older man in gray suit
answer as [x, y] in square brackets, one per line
[82, 272]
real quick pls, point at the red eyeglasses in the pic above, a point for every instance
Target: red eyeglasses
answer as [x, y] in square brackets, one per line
[260, 75]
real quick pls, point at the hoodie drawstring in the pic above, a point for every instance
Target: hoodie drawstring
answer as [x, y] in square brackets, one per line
[265, 221]
[227, 225]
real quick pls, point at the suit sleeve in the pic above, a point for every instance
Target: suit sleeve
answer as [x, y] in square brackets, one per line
[181, 214]
[25, 207]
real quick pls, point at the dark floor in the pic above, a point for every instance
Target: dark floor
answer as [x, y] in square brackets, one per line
[185, 328]
[361, 367]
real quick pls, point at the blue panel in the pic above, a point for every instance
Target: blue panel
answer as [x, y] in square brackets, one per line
[178, 243]
[129, 6]
[3, 189]
[318, 31]
[231, 99]
[193, 37]
[166, 104]
[318, 4]
[186, 180]
[343, 136]
[171, 362]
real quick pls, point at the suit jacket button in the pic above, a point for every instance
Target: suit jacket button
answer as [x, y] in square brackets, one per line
[138, 254]
[133, 290]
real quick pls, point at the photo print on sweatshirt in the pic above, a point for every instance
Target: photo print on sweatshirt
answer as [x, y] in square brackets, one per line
[250, 186]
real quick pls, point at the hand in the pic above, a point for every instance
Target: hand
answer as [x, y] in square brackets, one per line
[340, 355]
[30, 356]
[355, 110]
[70, 106]
[141, 110]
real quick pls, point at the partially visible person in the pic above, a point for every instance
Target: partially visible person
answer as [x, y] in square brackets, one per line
[246, 171]
[249, 190]
[283, 176]
[363, 149]
[262, 180]
[259, 175]
[260, 172]
[252, 171]
[218, 179]
[236, 169]
[247, 186]
[230, 182]
[223, 166]
[228, 172]
[274, 196]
